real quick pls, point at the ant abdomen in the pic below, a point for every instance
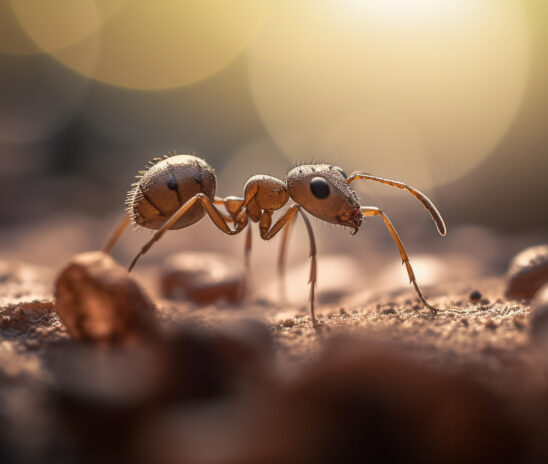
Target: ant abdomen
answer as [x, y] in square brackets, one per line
[165, 186]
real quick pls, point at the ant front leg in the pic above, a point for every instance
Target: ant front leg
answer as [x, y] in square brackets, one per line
[286, 220]
[213, 213]
[374, 211]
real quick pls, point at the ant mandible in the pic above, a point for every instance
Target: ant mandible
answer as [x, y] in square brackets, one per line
[177, 190]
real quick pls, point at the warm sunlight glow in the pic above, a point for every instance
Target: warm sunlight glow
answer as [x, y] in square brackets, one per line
[419, 90]
[145, 44]
[55, 24]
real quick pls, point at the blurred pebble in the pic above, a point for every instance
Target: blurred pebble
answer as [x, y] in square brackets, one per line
[539, 315]
[350, 408]
[519, 322]
[101, 394]
[475, 296]
[217, 363]
[203, 278]
[187, 364]
[98, 301]
[528, 271]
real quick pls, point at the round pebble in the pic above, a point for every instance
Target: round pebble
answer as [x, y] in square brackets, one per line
[539, 315]
[203, 278]
[528, 272]
[97, 300]
[475, 296]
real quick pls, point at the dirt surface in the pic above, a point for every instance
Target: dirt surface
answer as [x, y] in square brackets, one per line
[463, 332]
[486, 334]
[262, 352]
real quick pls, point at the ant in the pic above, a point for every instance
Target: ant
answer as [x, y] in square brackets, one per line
[177, 191]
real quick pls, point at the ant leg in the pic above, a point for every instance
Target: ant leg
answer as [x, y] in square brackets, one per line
[282, 258]
[233, 206]
[121, 225]
[374, 211]
[313, 266]
[210, 209]
[287, 218]
[427, 203]
[221, 202]
[247, 251]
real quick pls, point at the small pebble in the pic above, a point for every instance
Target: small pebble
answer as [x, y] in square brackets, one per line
[464, 322]
[203, 278]
[475, 296]
[539, 315]
[97, 300]
[528, 271]
[287, 323]
[491, 324]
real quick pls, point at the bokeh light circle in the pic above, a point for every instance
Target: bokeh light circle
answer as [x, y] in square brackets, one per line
[57, 24]
[13, 39]
[422, 91]
[157, 45]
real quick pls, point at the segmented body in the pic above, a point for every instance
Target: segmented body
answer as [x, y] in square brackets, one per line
[178, 190]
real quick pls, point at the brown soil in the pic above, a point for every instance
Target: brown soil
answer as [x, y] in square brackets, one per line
[484, 339]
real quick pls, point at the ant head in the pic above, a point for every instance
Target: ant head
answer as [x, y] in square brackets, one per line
[321, 189]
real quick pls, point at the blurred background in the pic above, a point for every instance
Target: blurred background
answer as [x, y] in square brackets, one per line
[450, 96]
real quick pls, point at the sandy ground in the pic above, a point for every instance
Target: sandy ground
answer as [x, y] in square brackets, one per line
[487, 334]
[488, 338]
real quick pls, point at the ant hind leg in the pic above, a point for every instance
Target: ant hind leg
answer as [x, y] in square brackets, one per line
[118, 230]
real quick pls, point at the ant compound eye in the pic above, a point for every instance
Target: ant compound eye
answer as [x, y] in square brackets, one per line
[319, 187]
